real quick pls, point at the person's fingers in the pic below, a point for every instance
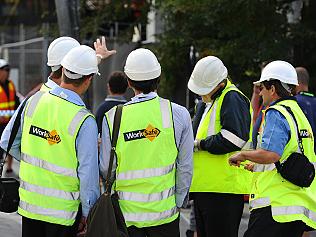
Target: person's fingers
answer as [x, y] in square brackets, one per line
[98, 41]
[111, 52]
[103, 41]
[95, 45]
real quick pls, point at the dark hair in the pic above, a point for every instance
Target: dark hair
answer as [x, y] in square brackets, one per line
[145, 86]
[280, 90]
[75, 82]
[57, 73]
[118, 82]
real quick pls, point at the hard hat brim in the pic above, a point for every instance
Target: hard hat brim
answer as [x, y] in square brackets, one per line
[198, 89]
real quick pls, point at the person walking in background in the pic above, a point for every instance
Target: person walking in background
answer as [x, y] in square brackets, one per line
[9, 102]
[279, 207]
[153, 164]
[116, 86]
[305, 99]
[222, 125]
[56, 124]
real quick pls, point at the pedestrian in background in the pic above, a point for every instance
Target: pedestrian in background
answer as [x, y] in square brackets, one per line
[116, 87]
[279, 207]
[221, 126]
[305, 99]
[153, 164]
[9, 102]
[57, 146]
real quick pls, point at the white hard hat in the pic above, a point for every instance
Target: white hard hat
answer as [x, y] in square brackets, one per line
[142, 65]
[80, 61]
[58, 49]
[279, 70]
[3, 63]
[207, 74]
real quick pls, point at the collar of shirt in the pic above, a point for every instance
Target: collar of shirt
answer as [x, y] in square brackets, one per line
[50, 83]
[68, 95]
[119, 98]
[143, 97]
[306, 93]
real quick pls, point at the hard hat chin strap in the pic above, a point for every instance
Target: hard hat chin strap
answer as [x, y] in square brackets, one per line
[72, 75]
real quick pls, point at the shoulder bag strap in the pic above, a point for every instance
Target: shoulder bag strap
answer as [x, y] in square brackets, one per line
[115, 132]
[14, 131]
[300, 142]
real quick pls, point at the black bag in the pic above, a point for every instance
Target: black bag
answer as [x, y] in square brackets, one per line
[9, 187]
[105, 218]
[297, 168]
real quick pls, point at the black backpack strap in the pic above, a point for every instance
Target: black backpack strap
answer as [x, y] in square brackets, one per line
[115, 133]
[14, 131]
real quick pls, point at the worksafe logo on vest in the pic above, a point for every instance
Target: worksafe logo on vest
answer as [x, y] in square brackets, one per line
[150, 133]
[304, 133]
[52, 137]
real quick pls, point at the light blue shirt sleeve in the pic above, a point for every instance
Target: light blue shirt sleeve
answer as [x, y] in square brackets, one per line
[185, 145]
[15, 150]
[276, 132]
[88, 171]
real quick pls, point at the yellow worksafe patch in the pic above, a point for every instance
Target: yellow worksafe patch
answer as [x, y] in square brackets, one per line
[151, 132]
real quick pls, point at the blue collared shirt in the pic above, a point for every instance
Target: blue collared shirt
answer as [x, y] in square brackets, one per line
[276, 132]
[86, 149]
[50, 83]
[184, 142]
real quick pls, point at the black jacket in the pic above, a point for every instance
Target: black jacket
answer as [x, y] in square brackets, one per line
[234, 117]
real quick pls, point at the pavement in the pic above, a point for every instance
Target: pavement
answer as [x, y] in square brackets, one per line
[10, 223]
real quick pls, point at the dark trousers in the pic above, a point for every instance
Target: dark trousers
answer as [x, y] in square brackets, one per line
[261, 224]
[166, 230]
[218, 214]
[36, 228]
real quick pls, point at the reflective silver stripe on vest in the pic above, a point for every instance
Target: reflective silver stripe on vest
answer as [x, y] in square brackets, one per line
[146, 173]
[260, 202]
[165, 113]
[144, 197]
[233, 138]
[33, 103]
[262, 167]
[49, 191]
[293, 210]
[68, 215]
[150, 216]
[76, 120]
[48, 166]
[211, 125]
[111, 115]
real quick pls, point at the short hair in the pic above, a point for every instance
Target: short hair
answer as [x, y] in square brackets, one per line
[302, 75]
[280, 90]
[145, 86]
[75, 82]
[118, 82]
[58, 73]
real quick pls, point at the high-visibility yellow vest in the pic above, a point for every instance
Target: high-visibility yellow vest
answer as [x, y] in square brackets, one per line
[288, 201]
[212, 173]
[49, 187]
[146, 163]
